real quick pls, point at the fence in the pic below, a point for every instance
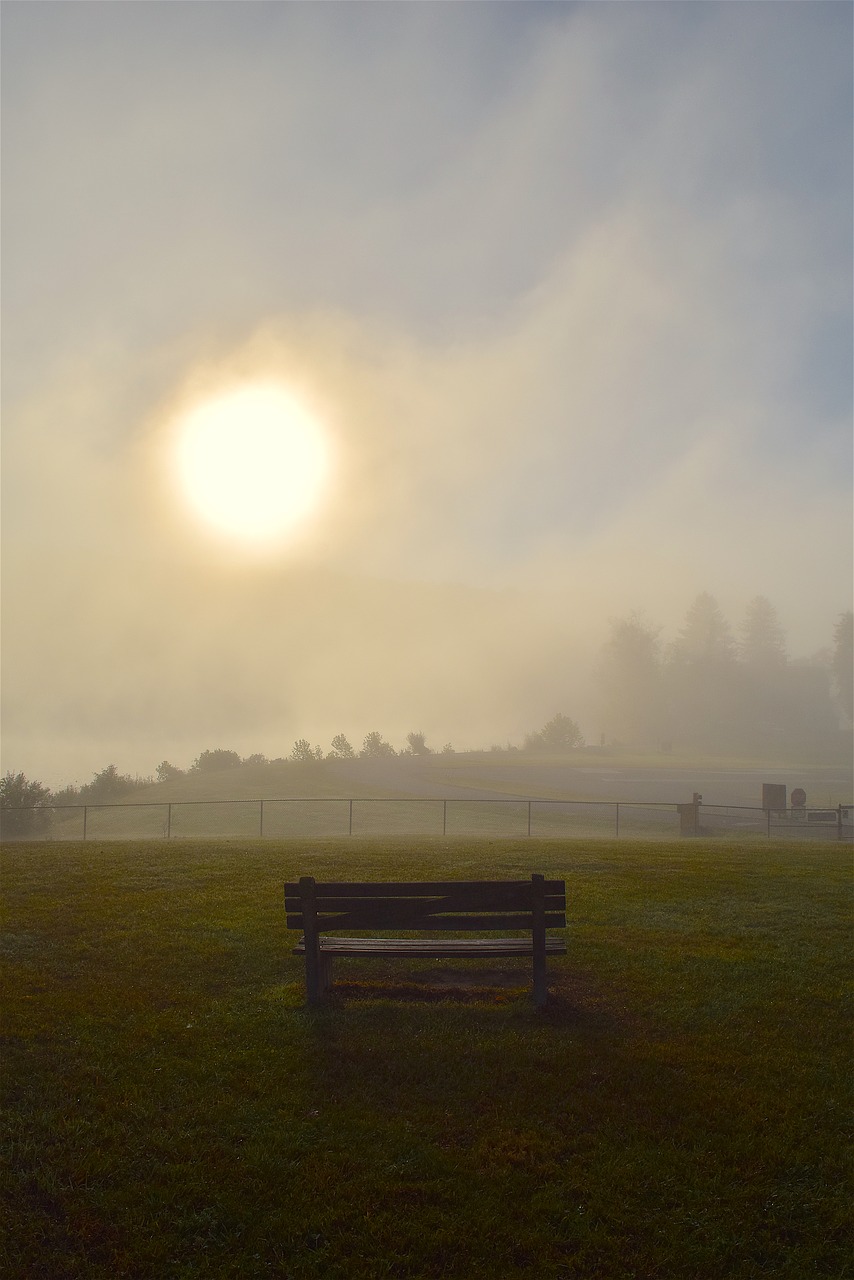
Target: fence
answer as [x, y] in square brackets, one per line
[307, 818]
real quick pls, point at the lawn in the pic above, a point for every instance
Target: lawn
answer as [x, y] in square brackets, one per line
[679, 1110]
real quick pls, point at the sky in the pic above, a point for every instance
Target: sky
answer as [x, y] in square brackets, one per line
[567, 286]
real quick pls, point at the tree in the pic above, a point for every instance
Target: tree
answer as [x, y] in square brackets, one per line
[303, 752]
[705, 684]
[763, 641]
[24, 807]
[630, 676]
[760, 690]
[167, 772]
[211, 761]
[256, 758]
[66, 796]
[560, 734]
[376, 747]
[842, 662]
[341, 748]
[106, 786]
[418, 745]
[706, 636]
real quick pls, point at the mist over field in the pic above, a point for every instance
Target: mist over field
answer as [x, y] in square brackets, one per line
[568, 289]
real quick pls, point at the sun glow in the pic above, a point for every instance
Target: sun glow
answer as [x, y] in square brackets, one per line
[253, 463]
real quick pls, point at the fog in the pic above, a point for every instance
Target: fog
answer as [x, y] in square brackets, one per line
[568, 286]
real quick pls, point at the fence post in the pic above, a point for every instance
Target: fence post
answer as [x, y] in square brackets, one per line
[261, 822]
[350, 831]
[617, 820]
[444, 817]
[169, 820]
[768, 823]
[85, 819]
[529, 817]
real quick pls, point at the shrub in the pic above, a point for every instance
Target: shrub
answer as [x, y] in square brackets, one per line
[211, 761]
[24, 810]
[560, 734]
[106, 786]
[167, 772]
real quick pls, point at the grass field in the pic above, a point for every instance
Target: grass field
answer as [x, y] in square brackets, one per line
[679, 1110]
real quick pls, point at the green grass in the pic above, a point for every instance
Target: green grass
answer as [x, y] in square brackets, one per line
[679, 1110]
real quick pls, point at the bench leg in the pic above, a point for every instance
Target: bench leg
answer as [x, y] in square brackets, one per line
[318, 975]
[313, 974]
[541, 990]
[325, 973]
[541, 993]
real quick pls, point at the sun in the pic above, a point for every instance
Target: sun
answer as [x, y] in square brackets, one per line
[253, 463]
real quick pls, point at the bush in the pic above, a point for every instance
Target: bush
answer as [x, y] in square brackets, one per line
[107, 786]
[167, 772]
[560, 734]
[24, 807]
[211, 761]
[68, 795]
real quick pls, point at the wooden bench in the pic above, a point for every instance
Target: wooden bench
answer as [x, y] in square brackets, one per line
[454, 906]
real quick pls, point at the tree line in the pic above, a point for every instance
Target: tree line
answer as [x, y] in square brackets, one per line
[710, 689]
[27, 807]
[374, 747]
[715, 690]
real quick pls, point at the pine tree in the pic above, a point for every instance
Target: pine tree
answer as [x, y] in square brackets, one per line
[763, 641]
[630, 675]
[706, 636]
[702, 678]
[843, 662]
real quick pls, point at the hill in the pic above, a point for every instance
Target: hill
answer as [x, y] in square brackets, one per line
[585, 774]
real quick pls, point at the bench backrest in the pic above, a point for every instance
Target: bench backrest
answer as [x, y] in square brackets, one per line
[451, 905]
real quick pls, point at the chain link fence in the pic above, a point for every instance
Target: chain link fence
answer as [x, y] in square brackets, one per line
[366, 817]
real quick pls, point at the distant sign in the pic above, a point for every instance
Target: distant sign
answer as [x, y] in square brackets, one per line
[774, 795]
[799, 798]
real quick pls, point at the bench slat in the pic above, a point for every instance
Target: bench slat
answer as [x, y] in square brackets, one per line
[426, 906]
[433, 947]
[417, 888]
[405, 920]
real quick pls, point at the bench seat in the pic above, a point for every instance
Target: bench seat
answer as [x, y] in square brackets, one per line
[432, 947]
